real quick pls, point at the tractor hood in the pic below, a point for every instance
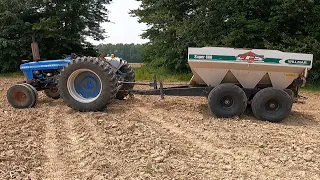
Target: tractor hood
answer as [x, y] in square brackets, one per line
[28, 68]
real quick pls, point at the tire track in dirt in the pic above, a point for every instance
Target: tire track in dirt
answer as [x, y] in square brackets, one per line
[196, 136]
[86, 153]
[55, 167]
[191, 138]
[79, 153]
[67, 148]
[99, 142]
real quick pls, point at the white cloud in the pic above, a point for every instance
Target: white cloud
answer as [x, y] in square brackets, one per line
[124, 28]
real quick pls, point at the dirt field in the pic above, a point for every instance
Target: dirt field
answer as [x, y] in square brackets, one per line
[146, 138]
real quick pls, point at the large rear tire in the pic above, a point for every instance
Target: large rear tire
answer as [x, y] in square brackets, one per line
[271, 104]
[127, 69]
[227, 100]
[87, 84]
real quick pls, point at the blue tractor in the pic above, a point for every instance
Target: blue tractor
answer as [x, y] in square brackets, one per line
[84, 83]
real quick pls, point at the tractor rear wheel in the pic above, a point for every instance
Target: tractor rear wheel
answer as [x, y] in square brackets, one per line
[87, 84]
[227, 100]
[21, 96]
[127, 69]
[52, 93]
[271, 104]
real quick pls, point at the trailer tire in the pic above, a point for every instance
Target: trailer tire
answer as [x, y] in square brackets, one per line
[21, 96]
[52, 93]
[271, 105]
[87, 84]
[126, 68]
[227, 100]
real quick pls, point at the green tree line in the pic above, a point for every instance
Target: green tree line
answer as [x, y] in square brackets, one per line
[286, 25]
[60, 27]
[129, 52]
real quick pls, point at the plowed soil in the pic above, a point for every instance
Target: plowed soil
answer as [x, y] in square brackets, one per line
[148, 138]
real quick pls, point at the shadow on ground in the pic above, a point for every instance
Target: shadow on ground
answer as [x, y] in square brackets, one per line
[297, 118]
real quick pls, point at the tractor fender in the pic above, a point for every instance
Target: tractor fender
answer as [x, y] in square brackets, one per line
[116, 63]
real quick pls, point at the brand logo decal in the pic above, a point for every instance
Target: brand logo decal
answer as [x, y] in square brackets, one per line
[250, 57]
[298, 62]
[210, 57]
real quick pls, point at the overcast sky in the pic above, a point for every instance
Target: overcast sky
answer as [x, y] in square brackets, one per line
[124, 28]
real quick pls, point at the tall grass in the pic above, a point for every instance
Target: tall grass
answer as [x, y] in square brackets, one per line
[146, 73]
[311, 88]
[12, 75]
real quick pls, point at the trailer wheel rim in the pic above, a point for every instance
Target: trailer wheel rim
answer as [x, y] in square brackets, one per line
[227, 101]
[84, 85]
[272, 105]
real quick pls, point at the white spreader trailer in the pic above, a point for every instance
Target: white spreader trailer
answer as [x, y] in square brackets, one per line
[234, 79]
[268, 80]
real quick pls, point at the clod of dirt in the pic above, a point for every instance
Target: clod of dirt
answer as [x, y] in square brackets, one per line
[159, 159]
[98, 177]
[33, 176]
[307, 157]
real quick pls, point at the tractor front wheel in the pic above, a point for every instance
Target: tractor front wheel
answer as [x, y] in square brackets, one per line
[87, 84]
[34, 91]
[21, 96]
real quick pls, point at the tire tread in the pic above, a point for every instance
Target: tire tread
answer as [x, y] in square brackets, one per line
[108, 92]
